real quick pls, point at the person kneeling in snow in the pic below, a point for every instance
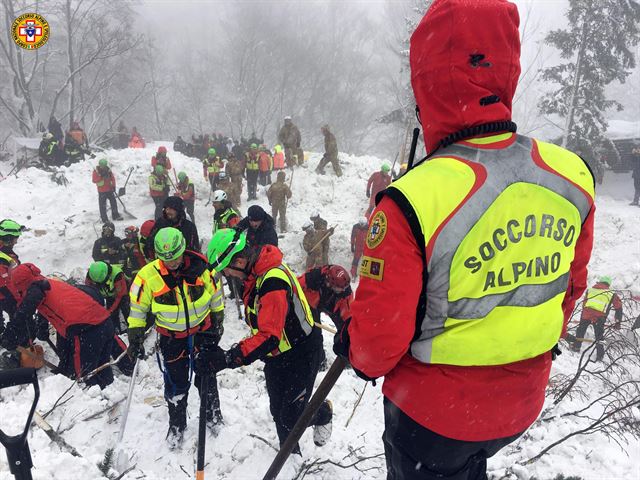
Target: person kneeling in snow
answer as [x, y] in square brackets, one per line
[85, 333]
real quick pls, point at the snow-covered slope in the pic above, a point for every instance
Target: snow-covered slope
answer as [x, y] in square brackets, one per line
[64, 223]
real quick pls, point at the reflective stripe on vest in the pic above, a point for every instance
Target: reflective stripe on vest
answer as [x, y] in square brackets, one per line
[598, 299]
[175, 309]
[300, 305]
[6, 258]
[252, 164]
[108, 288]
[223, 221]
[212, 165]
[494, 295]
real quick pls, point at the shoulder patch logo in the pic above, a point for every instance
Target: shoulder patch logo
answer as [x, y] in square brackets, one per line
[30, 31]
[377, 230]
[372, 267]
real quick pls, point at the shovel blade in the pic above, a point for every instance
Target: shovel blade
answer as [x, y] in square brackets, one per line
[121, 462]
[121, 191]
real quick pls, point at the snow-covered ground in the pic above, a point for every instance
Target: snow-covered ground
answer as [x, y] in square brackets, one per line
[64, 223]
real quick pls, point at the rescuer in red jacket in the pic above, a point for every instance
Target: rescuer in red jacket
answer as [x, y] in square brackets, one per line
[85, 335]
[474, 259]
[378, 181]
[328, 291]
[105, 181]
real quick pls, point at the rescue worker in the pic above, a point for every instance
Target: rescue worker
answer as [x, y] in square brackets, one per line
[76, 133]
[265, 165]
[55, 128]
[85, 333]
[73, 152]
[187, 192]
[330, 153]
[278, 158]
[121, 139]
[160, 158]
[289, 137]
[483, 250]
[158, 188]
[311, 244]
[259, 226]
[173, 216]
[108, 247]
[282, 331]
[188, 305]
[136, 140]
[225, 216]
[278, 195]
[112, 285]
[323, 233]
[235, 170]
[180, 145]
[134, 258]
[211, 167]
[598, 301]
[225, 184]
[10, 232]
[106, 183]
[145, 231]
[358, 236]
[50, 151]
[377, 182]
[252, 170]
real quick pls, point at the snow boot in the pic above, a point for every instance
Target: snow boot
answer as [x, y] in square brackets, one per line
[175, 436]
[322, 433]
[117, 217]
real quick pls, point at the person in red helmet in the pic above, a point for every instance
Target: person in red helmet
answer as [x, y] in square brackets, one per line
[160, 158]
[85, 333]
[474, 259]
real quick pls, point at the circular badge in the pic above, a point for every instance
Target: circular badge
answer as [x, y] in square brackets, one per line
[30, 31]
[377, 230]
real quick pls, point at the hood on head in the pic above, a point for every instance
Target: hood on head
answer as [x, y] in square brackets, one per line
[269, 257]
[21, 277]
[465, 64]
[176, 203]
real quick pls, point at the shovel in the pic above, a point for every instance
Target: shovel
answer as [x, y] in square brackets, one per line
[122, 190]
[17, 448]
[120, 455]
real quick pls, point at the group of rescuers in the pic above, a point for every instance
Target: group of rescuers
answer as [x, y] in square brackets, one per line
[449, 308]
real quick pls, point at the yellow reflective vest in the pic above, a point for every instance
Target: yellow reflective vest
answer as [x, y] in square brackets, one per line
[299, 322]
[598, 299]
[498, 227]
[180, 308]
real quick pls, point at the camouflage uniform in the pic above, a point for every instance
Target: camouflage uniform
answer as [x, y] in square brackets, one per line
[235, 170]
[289, 137]
[330, 152]
[278, 194]
[321, 227]
[229, 188]
[314, 258]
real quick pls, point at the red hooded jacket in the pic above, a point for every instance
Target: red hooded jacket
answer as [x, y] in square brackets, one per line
[378, 181]
[358, 235]
[109, 184]
[63, 305]
[448, 56]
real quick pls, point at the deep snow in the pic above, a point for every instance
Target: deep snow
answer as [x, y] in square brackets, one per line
[63, 224]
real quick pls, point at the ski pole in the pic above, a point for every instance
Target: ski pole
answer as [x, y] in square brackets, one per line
[120, 457]
[318, 397]
[202, 427]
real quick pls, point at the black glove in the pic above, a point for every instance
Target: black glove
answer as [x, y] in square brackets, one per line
[211, 358]
[217, 327]
[42, 328]
[136, 339]
[13, 336]
[341, 344]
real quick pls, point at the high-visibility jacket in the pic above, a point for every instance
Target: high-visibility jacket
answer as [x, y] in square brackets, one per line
[265, 162]
[278, 160]
[180, 301]
[187, 191]
[158, 185]
[226, 219]
[598, 299]
[211, 166]
[252, 162]
[299, 322]
[494, 294]
[108, 288]
[104, 183]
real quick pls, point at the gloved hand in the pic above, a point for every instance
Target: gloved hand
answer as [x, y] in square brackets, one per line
[211, 358]
[136, 339]
[341, 344]
[42, 328]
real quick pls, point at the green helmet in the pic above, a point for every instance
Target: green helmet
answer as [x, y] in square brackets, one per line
[605, 279]
[182, 176]
[224, 244]
[211, 152]
[159, 169]
[254, 146]
[103, 162]
[98, 271]
[169, 243]
[385, 167]
[10, 228]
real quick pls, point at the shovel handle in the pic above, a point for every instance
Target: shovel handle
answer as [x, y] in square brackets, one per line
[17, 376]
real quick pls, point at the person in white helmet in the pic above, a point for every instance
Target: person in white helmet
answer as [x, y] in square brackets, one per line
[225, 215]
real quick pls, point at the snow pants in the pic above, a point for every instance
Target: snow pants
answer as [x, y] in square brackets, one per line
[414, 452]
[177, 366]
[281, 210]
[598, 330]
[264, 178]
[333, 159]
[290, 377]
[86, 349]
[252, 184]
[102, 205]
